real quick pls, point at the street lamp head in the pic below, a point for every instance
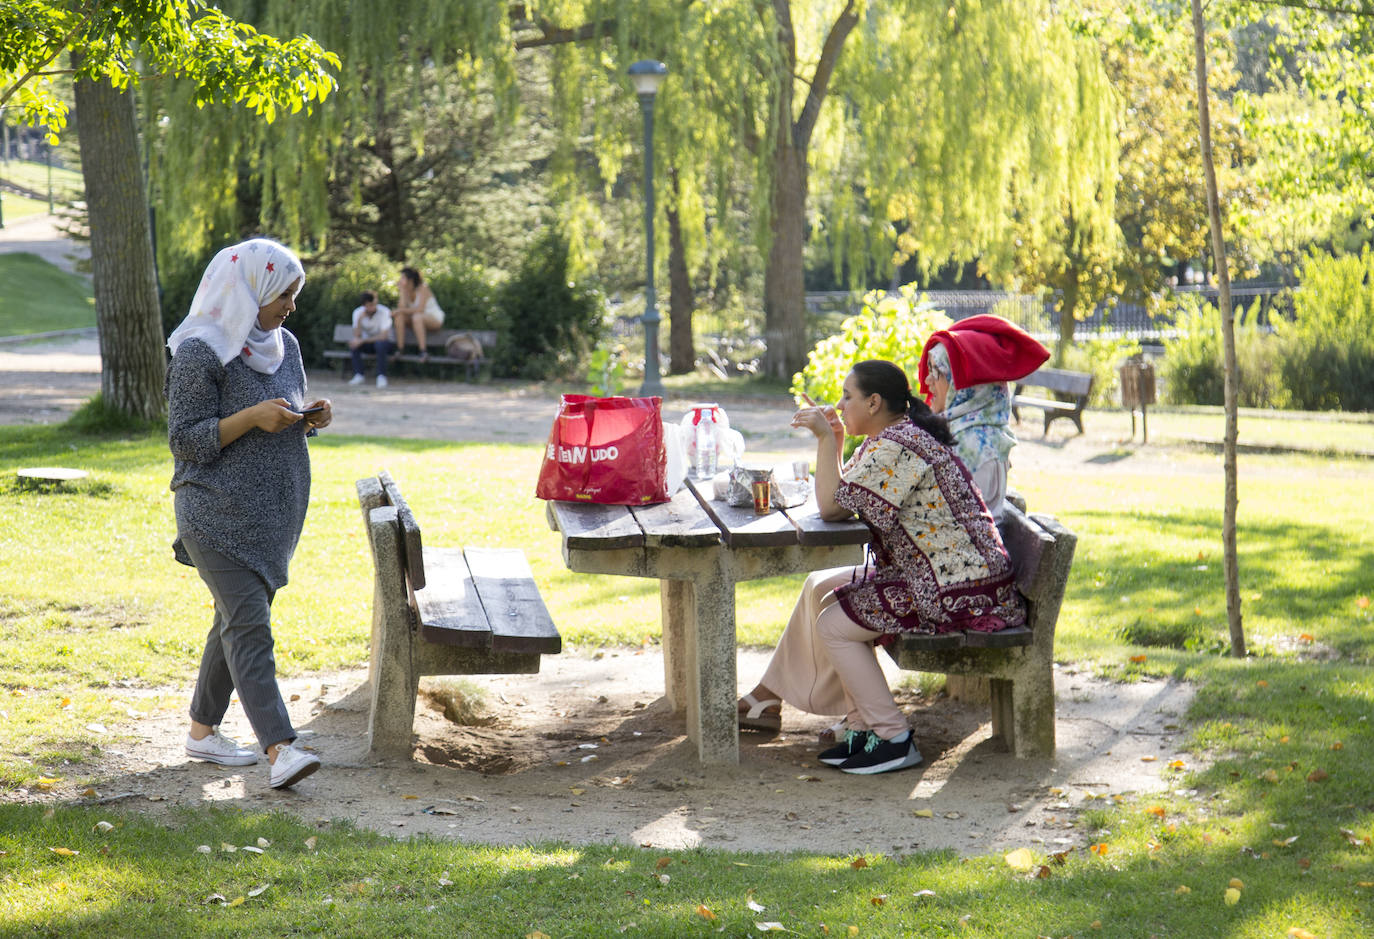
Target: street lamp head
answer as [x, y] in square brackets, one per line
[647, 75]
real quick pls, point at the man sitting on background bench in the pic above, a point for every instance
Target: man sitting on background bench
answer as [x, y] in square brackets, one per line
[371, 333]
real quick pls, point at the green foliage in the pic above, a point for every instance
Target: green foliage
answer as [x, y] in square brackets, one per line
[1101, 356]
[605, 371]
[38, 297]
[225, 60]
[886, 327]
[95, 418]
[1193, 371]
[1328, 350]
[549, 323]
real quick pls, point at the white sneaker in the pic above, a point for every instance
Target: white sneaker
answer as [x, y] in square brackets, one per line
[356, 380]
[292, 765]
[217, 748]
[381, 381]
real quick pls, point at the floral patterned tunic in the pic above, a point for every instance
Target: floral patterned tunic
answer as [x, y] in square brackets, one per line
[939, 564]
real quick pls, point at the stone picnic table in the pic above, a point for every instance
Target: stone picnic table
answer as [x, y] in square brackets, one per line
[698, 549]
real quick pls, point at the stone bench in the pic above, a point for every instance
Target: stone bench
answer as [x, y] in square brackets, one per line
[440, 611]
[1018, 663]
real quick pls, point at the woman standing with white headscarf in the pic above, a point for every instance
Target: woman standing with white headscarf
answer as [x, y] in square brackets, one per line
[237, 422]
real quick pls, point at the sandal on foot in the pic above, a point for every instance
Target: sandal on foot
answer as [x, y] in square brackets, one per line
[757, 718]
[832, 734]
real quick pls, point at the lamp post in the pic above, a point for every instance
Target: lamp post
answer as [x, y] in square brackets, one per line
[647, 75]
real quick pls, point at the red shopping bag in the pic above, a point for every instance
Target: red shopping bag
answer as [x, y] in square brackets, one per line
[606, 450]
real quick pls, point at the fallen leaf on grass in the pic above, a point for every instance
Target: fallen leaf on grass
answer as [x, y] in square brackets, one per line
[704, 913]
[859, 863]
[663, 862]
[47, 782]
[755, 906]
[1318, 775]
[1148, 759]
[923, 813]
[1236, 883]
[1176, 764]
[807, 777]
[1285, 842]
[1100, 849]
[1353, 838]
[203, 848]
[924, 893]
[258, 891]
[1232, 896]
[1156, 810]
[103, 827]
[1182, 889]
[1362, 603]
[1043, 873]
[237, 901]
[1364, 883]
[1306, 637]
[252, 849]
[311, 842]
[1269, 775]
[1020, 860]
[1138, 658]
[64, 852]
[536, 935]
[1297, 932]
[1338, 745]
[770, 927]
[227, 848]
[1261, 684]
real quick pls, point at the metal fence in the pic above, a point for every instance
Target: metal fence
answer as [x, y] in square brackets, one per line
[733, 340]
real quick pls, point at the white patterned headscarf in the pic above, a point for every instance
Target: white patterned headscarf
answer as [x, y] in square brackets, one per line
[241, 280]
[979, 415]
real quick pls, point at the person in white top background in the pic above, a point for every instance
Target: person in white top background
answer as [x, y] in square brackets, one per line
[371, 333]
[417, 309]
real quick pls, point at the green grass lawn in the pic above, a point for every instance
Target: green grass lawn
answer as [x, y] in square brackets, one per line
[39, 297]
[95, 609]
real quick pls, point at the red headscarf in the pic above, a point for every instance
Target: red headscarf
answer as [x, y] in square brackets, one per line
[984, 349]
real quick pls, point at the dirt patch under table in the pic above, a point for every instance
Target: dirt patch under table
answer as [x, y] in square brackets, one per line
[588, 752]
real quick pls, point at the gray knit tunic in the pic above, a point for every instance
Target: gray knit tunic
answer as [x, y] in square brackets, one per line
[248, 500]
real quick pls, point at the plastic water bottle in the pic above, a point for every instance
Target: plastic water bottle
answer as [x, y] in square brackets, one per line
[706, 443]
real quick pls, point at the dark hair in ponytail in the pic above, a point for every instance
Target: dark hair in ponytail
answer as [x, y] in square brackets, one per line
[888, 381]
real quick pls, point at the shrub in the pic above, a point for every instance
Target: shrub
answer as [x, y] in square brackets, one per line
[1328, 348]
[1101, 356]
[549, 324]
[1193, 372]
[886, 327]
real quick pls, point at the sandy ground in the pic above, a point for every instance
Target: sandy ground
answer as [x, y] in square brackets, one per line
[587, 751]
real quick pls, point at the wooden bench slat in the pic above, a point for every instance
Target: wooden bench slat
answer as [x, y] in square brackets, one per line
[1026, 543]
[515, 612]
[1045, 403]
[1077, 385]
[450, 609]
[1002, 639]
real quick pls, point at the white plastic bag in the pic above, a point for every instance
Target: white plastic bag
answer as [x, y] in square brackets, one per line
[676, 464]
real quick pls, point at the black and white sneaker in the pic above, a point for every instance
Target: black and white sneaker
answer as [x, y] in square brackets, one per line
[883, 756]
[853, 742]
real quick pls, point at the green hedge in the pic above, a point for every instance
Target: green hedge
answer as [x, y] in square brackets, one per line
[1321, 360]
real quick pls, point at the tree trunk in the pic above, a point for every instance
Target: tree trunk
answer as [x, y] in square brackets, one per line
[1068, 318]
[1228, 333]
[784, 295]
[132, 361]
[682, 356]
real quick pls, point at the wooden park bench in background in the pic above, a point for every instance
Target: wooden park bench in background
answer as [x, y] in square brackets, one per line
[440, 611]
[1074, 386]
[436, 342]
[1018, 663]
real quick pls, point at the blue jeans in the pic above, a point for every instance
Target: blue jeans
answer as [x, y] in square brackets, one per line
[381, 347]
[238, 650]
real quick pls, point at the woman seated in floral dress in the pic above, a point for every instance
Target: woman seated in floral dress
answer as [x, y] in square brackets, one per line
[937, 564]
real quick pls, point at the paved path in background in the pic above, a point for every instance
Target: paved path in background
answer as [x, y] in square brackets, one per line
[39, 234]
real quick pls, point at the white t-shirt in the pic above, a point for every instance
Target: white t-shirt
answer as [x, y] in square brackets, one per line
[376, 326]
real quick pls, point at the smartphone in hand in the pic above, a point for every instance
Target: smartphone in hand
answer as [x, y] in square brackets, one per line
[315, 410]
